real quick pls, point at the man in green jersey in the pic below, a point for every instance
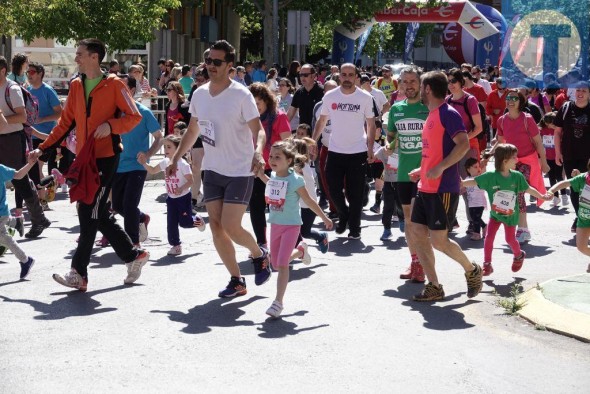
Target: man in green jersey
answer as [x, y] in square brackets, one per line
[406, 120]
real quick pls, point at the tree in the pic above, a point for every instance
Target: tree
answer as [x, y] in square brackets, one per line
[118, 23]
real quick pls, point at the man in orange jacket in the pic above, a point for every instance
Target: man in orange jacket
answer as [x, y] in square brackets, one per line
[95, 107]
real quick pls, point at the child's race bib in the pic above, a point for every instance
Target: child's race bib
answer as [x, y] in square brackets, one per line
[585, 196]
[275, 192]
[393, 162]
[207, 132]
[548, 141]
[504, 202]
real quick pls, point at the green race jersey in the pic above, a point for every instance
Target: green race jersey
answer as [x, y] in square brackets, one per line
[503, 193]
[406, 121]
[581, 184]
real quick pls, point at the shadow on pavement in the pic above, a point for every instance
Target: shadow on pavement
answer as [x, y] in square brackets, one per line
[303, 271]
[172, 260]
[273, 328]
[219, 312]
[75, 303]
[436, 317]
[344, 247]
[531, 250]
[106, 260]
[71, 230]
[502, 290]
[12, 281]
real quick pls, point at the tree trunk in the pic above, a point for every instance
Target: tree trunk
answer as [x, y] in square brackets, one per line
[268, 53]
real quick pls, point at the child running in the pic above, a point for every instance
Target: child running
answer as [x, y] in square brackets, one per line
[389, 190]
[7, 221]
[283, 191]
[307, 148]
[476, 200]
[502, 186]
[178, 202]
[580, 183]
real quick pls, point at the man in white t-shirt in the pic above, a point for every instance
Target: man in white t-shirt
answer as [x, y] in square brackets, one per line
[348, 109]
[224, 113]
[380, 99]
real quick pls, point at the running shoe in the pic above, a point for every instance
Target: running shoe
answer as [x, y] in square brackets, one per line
[72, 279]
[175, 250]
[408, 274]
[199, 223]
[565, 200]
[25, 267]
[487, 269]
[143, 228]
[324, 242]
[262, 270]
[37, 229]
[375, 209]
[354, 235]
[134, 267]
[386, 235]
[402, 226]
[431, 293]
[275, 309]
[235, 288]
[556, 201]
[474, 282]
[518, 262]
[305, 257]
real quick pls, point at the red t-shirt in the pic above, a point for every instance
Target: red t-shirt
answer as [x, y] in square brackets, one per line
[547, 136]
[472, 106]
[519, 133]
[477, 91]
[280, 125]
[173, 116]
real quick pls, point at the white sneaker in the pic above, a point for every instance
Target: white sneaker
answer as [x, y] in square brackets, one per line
[565, 200]
[64, 188]
[143, 228]
[175, 250]
[305, 257]
[199, 223]
[275, 309]
[134, 268]
[523, 236]
[72, 279]
[556, 201]
[394, 218]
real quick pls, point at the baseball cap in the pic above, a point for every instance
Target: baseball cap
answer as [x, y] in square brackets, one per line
[386, 68]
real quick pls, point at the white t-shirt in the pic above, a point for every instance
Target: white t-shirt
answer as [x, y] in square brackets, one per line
[348, 113]
[228, 115]
[16, 99]
[317, 110]
[177, 180]
[485, 85]
[475, 196]
[379, 97]
[308, 173]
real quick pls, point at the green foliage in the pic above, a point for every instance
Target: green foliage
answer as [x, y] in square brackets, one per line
[118, 23]
[513, 303]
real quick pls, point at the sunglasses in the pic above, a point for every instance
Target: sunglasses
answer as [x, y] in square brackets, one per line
[283, 85]
[453, 80]
[305, 75]
[170, 90]
[215, 62]
[512, 98]
[31, 72]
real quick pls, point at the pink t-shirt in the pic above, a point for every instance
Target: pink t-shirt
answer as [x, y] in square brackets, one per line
[472, 106]
[519, 132]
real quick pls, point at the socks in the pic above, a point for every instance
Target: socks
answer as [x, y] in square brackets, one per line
[415, 258]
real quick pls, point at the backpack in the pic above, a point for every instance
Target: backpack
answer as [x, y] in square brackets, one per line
[485, 125]
[31, 103]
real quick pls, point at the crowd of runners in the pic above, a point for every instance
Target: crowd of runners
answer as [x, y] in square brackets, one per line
[288, 145]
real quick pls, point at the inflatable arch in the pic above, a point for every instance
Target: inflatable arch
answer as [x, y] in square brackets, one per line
[463, 13]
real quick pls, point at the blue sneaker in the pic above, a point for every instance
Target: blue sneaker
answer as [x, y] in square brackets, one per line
[235, 288]
[402, 226]
[25, 268]
[324, 244]
[262, 268]
[386, 235]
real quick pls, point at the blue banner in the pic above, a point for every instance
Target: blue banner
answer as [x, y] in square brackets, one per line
[411, 33]
[342, 48]
[361, 44]
[487, 51]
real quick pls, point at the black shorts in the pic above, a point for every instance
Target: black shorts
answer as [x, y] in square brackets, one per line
[435, 210]
[198, 143]
[406, 191]
[374, 170]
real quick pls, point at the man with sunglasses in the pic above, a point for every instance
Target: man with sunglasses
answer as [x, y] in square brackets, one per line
[224, 113]
[307, 96]
[12, 148]
[496, 104]
[49, 113]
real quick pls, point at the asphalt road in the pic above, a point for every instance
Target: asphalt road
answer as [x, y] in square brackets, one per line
[348, 324]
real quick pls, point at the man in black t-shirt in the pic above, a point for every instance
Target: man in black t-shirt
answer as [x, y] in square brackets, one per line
[307, 96]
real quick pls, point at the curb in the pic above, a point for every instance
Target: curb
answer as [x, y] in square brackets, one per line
[555, 318]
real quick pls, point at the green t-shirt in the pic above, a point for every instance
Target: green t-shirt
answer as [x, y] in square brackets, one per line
[90, 84]
[187, 84]
[581, 184]
[494, 182]
[407, 121]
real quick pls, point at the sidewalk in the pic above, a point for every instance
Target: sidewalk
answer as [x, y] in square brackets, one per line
[561, 305]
